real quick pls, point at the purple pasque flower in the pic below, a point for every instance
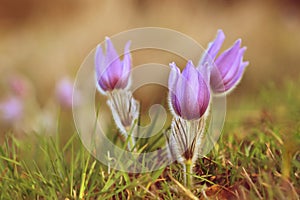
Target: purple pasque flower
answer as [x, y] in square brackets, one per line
[111, 72]
[189, 94]
[19, 85]
[64, 92]
[11, 110]
[227, 69]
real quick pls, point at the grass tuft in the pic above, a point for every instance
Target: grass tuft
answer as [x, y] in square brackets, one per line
[257, 157]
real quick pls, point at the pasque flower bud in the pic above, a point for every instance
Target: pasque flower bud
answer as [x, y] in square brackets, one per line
[111, 72]
[189, 94]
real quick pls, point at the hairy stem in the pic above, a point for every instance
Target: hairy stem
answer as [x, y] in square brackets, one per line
[188, 173]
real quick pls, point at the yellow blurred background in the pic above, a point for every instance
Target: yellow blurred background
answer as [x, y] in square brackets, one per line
[46, 40]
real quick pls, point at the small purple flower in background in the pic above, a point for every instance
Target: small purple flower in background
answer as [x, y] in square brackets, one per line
[17, 86]
[229, 66]
[64, 93]
[20, 86]
[189, 99]
[113, 80]
[111, 72]
[11, 110]
[189, 94]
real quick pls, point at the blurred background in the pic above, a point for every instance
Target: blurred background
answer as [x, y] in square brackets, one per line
[43, 42]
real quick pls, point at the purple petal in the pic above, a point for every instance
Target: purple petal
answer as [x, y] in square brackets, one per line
[104, 84]
[174, 73]
[213, 49]
[113, 64]
[234, 82]
[216, 80]
[99, 60]
[126, 64]
[235, 67]
[188, 98]
[175, 104]
[196, 94]
[227, 58]
[205, 71]
[173, 81]
[203, 95]
[100, 66]
[188, 71]
[111, 53]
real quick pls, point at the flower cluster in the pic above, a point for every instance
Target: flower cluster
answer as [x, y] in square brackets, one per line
[227, 69]
[190, 95]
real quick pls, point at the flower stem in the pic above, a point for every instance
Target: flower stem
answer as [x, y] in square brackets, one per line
[131, 142]
[188, 173]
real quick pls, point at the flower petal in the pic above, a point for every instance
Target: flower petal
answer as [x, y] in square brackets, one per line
[188, 97]
[126, 67]
[174, 74]
[190, 85]
[225, 61]
[234, 82]
[203, 95]
[172, 84]
[213, 49]
[99, 60]
[205, 71]
[102, 79]
[235, 67]
[113, 64]
[127, 60]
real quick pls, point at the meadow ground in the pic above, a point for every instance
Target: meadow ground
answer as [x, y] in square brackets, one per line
[257, 157]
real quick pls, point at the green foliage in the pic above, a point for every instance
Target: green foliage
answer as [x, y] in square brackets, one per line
[256, 158]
